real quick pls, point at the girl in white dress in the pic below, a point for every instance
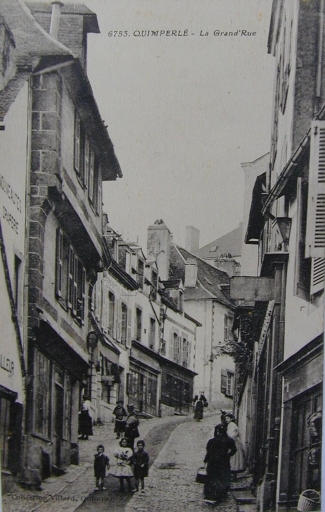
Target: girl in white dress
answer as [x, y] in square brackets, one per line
[238, 460]
[123, 470]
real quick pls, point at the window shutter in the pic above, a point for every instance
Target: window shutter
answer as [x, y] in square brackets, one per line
[87, 149]
[77, 143]
[71, 278]
[75, 286]
[129, 329]
[59, 262]
[315, 232]
[91, 175]
[317, 275]
[82, 294]
[99, 191]
[224, 376]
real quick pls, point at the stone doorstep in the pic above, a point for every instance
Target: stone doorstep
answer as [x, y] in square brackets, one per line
[248, 507]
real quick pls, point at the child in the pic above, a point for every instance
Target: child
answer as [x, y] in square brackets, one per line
[140, 462]
[123, 470]
[120, 418]
[101, 462]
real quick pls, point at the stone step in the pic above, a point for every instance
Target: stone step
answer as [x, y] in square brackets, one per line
[244, 496]
[247, 507]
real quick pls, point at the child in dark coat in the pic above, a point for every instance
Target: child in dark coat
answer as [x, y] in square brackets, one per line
[140, 462]
[101, 462]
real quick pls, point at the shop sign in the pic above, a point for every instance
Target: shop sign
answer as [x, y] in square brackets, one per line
[7, 364]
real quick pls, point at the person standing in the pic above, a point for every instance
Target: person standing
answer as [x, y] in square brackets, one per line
[85, 423]
[131, 427]
[123, 470]
[140, 461]
[199, 408]
[101, 462]
[238, 461]
[120, 418]
[218, 452]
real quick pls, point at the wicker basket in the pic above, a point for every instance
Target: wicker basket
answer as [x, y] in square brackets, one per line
[308, 500]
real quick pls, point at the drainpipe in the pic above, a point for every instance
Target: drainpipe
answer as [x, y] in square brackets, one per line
[320, 55]
[55, 18]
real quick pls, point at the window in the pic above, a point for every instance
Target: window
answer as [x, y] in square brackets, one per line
[177, 348]
[77, 152]
[227, 382]
[140, 273]
[124, 323]
[42, 395]
[228, 320]
[152, 333]
[111, 312]
[154, 282]
[303, 266]
[138, 325]
[185, 353]
[70, 277]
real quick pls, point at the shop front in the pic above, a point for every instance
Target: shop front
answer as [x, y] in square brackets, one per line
[176, 388]
[53, 403]
[143, 380]
[110, 376]
[300, 462]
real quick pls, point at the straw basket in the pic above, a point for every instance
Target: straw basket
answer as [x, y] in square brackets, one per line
[308, 500]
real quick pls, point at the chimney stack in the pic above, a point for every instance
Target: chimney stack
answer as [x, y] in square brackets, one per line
[55, 18]
[158, 247]
[192, 240]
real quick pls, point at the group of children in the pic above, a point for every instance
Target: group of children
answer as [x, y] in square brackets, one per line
[129, 464]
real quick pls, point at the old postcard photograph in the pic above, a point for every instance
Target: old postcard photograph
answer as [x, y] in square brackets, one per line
[162, 270]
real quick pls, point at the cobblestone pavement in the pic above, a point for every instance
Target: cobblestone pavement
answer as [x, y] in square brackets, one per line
[171, 485]
[67, 492]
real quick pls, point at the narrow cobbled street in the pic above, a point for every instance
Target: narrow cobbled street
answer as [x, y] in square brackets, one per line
[176, 454]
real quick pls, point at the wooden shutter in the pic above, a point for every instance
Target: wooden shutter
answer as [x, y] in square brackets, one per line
[87, 161]
[70, 277]
[99, 190]
[224, 377]
[317, 275]
[77, 143]
[91, 175]
[81, 293]
[59, 263]
[315, 232]
[129, 329]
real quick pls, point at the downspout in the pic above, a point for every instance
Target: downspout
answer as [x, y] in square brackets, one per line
[320, 57]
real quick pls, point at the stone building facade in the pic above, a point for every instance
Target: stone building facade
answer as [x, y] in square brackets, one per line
[280, 318]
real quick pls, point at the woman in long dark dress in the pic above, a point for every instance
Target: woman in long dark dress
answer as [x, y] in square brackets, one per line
[131, 431]
[219, 450]
[198, 409]
[85, 423]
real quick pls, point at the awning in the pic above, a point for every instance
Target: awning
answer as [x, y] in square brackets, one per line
[256, 219]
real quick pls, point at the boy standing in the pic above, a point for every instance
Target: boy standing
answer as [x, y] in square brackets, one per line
[101, 462]
[140, 462]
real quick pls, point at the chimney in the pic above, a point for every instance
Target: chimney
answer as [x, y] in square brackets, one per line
[192, 239]
[190, 273]
[158, 247]
[55, 18]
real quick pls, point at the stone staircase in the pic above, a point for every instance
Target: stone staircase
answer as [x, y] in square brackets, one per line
[242, 493]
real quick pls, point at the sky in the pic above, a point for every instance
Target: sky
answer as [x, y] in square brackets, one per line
[182, 112]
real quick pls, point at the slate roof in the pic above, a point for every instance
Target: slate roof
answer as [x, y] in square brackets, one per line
[209, 278]
[229, 243]
[31, 40]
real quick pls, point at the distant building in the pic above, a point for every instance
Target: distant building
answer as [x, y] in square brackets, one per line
[224, 252]
[146, 356]
[205, 296]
